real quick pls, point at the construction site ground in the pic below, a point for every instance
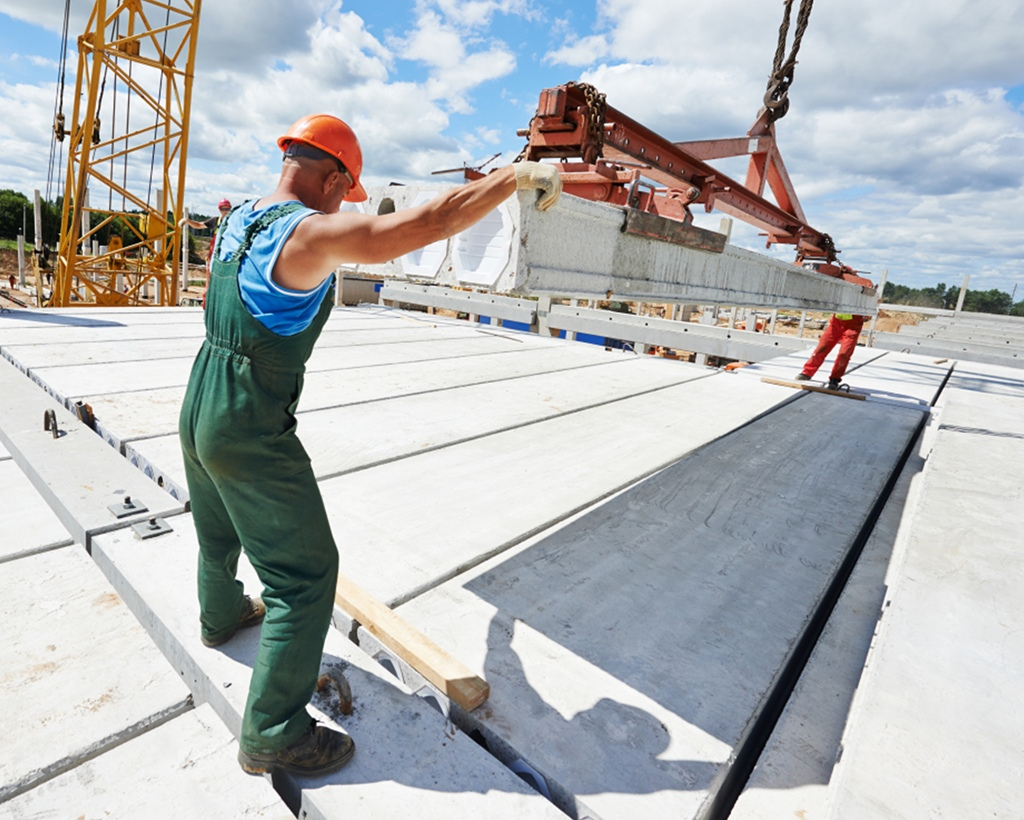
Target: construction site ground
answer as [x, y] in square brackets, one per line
[694, 593]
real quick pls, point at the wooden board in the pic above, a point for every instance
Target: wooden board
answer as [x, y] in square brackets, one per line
[814, 388]
[449, 675]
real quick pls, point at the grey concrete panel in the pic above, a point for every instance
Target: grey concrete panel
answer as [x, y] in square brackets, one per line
[959, 333]
[77, 474]
[793, 771]
[147, 352]
[354, 437]
[126, 417]
[480, 304]
[714, 341]
[77, 672]
[936, 725]
[403, 526]
[418, 423]
[27, 524]
[577, 248]
[971, 351]
[409, 759]
[183, 768]
[652, 630]
[986, 378]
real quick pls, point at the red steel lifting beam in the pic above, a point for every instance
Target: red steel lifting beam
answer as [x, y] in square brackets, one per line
[568, 123]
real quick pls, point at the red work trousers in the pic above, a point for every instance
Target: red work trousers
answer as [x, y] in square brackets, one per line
[842, 332]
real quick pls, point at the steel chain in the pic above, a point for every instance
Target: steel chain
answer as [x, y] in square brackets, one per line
[597, 105]
[776, 98]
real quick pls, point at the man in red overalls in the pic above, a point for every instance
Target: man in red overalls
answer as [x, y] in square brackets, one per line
[843, 330]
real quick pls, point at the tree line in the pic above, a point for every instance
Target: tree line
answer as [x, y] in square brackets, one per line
[17, 218]
[941, 296]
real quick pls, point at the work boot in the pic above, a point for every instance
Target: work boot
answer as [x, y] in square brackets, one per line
[252, 614]
[319, 751]
[833, 384]
[802, 377]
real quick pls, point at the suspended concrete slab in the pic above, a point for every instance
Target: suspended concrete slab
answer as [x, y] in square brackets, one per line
[79, 675]
[409, 757]
[579, 248]
[185, 767]
[936, 724]
[660, 628]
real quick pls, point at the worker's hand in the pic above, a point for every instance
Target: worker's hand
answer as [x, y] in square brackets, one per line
[543, 177]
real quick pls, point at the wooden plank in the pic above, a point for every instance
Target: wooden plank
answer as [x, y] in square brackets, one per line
[449, 675]
[814, 388]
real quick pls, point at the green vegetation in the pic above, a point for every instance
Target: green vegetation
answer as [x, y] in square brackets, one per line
[940, 296]
[17, 215]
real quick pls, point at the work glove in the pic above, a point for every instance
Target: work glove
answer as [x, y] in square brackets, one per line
[543, 177]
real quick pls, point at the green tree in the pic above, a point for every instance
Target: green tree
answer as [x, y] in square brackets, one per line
[15, 212]
[987, 301]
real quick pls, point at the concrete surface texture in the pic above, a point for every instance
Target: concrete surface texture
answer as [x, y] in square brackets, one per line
[668, 574]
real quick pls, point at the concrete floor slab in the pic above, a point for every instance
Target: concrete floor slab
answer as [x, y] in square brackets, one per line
[971, 351]
[794, 769]
[652, 630]
[409, 758]
[183, 768]
[27, 524]
[125, 417]
[85, 381]
[397, 542]
[937, 721]
[74, 471]
[414, 424]
[79, 675]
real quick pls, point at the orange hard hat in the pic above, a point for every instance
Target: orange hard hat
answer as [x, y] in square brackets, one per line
[333, 136]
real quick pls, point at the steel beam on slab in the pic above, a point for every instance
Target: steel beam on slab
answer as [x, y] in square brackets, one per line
[578, 249]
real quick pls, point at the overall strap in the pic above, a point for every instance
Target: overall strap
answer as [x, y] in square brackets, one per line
[271, 215]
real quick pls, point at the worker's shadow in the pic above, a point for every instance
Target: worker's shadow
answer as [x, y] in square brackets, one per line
[610, 746]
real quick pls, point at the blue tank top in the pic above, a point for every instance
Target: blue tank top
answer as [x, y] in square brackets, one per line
[284, 311]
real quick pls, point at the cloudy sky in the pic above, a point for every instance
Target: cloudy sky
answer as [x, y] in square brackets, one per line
[904, 138]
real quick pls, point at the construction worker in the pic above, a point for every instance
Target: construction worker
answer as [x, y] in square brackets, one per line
[213, 225]
[843, 330]
[249, 479]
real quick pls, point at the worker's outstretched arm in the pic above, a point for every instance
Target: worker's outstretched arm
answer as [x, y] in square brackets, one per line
[321, 243]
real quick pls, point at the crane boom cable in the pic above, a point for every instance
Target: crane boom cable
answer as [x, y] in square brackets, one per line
[776, 97]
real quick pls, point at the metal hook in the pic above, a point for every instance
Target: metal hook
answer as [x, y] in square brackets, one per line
[50, 422]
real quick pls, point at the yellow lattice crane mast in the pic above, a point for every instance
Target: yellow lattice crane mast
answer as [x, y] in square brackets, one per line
[125, 181]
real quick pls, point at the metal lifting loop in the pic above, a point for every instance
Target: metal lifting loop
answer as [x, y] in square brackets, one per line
[50, 423]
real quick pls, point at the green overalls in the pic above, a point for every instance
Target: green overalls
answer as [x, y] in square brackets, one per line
[251, 486]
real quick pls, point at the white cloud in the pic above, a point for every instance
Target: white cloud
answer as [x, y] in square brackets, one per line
[581, 52]
[900, 140]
